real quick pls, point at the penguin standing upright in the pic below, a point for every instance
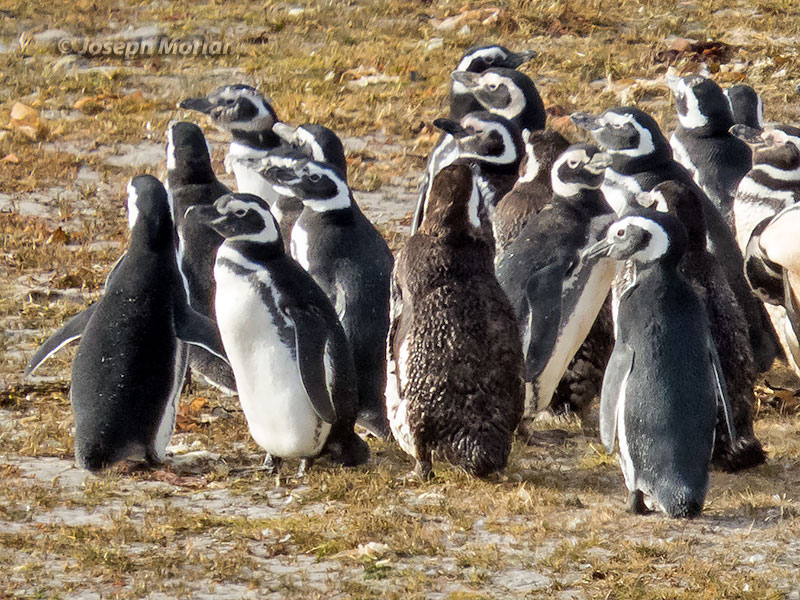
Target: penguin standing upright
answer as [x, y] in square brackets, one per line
[641, 159]
[352, 263]
[191, 182]
[129, 368]
[488, 140]
[703, 143]
[555, 296]
[454, 344]
[294, 370]
[532, 190]
[477, 60]
[727, 325]
[663, 382]
[746, 105]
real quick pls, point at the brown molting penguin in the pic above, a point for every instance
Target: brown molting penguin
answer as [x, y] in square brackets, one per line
[454, 348]
[532, 190]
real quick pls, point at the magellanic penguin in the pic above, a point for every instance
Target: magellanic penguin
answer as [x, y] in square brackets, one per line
[455, 353]
[129, 368]
[703, 143]
[532, 190]
[663, 382]
[293, 366]
[727, 325]
[249, 117]
[746, 105]
[490, 141]
[641, 159]
[772, 185]
[352, 263]
[477, 60]
[191, 182]
[305, 141]
[555, 296]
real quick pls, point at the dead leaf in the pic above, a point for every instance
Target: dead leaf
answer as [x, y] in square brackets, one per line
[10, 159]
[25, 120]
[58, 237]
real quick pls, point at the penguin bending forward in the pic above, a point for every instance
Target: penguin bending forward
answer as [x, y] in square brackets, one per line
[663, 382]
[293, 366]
[454, 349]
[129, 368]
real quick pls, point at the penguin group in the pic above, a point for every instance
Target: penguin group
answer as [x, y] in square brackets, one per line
[658, 274]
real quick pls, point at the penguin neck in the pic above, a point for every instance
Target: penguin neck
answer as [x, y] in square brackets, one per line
[256, 252]
[629, 165]
[462, 103]
[197, 171]
[265, 139]
[716, 125]
[588, 203]
[533, 116]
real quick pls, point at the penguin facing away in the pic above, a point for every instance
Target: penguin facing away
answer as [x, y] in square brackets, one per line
[477, 60]
[555, 296]
[454, 350]
[703, 143]
[294, 369]
[727, 325]
[351, 262]
[129, 368]
[191, 182]
[663, 381]
[746, 105]
[641, 159]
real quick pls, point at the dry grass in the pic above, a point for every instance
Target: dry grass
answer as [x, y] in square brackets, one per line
[553, 526]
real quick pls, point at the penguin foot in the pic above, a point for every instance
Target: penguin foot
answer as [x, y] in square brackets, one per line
[745, 453]
[423, 470]
[636, 503]
[305, 464]
[272, 464]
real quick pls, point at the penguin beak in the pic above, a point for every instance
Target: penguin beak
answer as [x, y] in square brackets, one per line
[281, 175]
[199, 104]
[586, 121]
[598, 163]
[452, 127]
[600, 249]
[284, 131]
[750, 135]
[465, 78]
[518, 58]
[203, 213]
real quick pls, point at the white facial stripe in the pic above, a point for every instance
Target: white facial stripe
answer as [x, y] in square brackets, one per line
[645, 146]
[474, 203]
[693, 117]
[514, 108]
[340, 200]
[304, 136]
[560, 187]
[612, 118]
[262, 120]
[509, 154]
[779, 174]
[482, 53]
[760, 111]
[266, 235]
[660, 201]
[532, 166]
[779, 239]
[133, 210]
[172, 162]
[655, 248]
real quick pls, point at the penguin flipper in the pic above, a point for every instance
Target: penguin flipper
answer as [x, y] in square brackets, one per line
[619, 367]
[720, 391]
[311, 349]
[763, 275]
[543, 292]
[197, 329]
[68, 332]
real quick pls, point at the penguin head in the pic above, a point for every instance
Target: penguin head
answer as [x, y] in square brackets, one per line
[542, 148]
[314, 141]
[700, 103]
[235, 108]
[645, 237]
[581, 167]
[149, 209]
[507, 93]
[455, 209]
[188, 153]
[778, 153]
[624, 132]
[479, 58]
[319, 186]
[746, 105]
[779, 239]
[239, 218]
[485, 137]
[681, 200]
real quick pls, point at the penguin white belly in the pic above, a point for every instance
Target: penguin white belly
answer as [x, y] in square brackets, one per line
[167, 426]
[279, 413]
[397, 403]
[618, 189]
[786, 336]
[573, 330]
[747, 213]
[248, 181]
[625, 461]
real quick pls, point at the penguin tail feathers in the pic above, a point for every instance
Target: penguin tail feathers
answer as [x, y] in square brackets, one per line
[345, 447]
[744, 453]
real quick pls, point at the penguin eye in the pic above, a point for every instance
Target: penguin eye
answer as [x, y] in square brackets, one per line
[493, 87]
[621, 233]
[490, 59]
[572, 163]
[616, 125]
[240, 212]
[314, 177]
